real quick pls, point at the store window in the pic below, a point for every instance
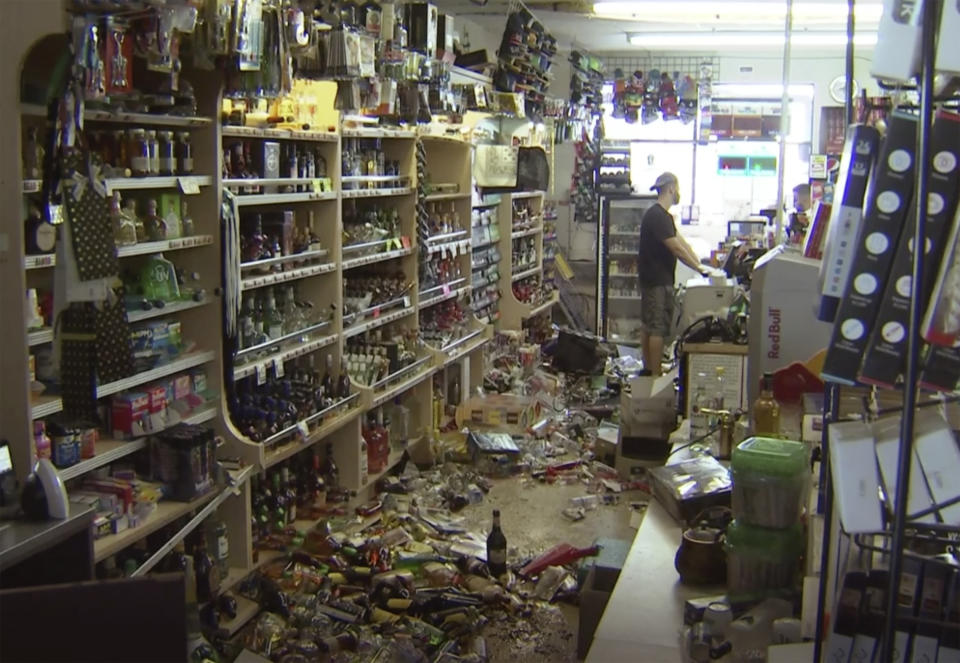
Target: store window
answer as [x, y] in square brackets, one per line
[735, 174]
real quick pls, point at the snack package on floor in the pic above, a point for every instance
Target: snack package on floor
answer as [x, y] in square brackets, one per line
[884, 360]
[846, 215]
[888, 201]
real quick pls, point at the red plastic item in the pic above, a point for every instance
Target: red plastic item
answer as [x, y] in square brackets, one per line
[792, 382]
[560, 554]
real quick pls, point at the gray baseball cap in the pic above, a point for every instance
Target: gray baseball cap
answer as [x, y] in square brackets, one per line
[664, 180]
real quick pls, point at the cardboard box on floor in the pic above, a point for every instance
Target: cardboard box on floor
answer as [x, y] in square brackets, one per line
[501, 412]
[649, 410]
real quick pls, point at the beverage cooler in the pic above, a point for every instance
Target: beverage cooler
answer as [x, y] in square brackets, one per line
[618, 289]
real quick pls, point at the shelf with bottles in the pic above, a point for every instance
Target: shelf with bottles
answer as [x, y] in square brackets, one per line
[371, 259]
[324, 424]
[472, 335]
[186, 184]
[164, 245]
[439, 197]
[166, 511]
[444, 244]
[317, 194]
[447, 322]
[44, 406]
[164, 308]
[527, 272]
[372, 299]
[444, 292]
[377, 132]
[303, 342]
[267, 172]
[528, 232]
[378, 361]
[123, 117]
[485, 257]
[234, 131]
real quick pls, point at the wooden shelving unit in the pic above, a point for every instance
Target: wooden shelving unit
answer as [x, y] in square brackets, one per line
[317, 275]
[517, 229]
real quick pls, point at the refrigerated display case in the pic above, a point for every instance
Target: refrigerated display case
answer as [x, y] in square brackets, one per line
[618, 289]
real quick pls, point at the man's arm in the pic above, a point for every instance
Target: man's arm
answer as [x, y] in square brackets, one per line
[682, 251]
[693, 254]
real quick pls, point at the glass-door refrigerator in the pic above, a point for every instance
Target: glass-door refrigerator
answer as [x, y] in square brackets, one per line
[618, 288]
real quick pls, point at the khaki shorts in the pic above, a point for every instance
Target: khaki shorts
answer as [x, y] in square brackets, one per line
[656, 310]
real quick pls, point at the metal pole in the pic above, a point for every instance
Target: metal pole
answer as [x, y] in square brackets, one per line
[784, 115]
[831, 411]
[930, 12]
[849, 63]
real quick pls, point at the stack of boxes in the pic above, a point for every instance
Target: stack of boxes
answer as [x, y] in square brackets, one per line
[765, 541]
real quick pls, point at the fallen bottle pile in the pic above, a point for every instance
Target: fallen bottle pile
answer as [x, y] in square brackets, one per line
[408, 582]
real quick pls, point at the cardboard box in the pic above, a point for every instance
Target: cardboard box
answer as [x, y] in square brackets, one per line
[888, 201]
[502, 411]
[158, 398]
[885, 357]
[594, 596]
[648, 410]
[897, 53]
[941, 370]
[182, 386]
[940, 459]
[948, 55]
[846, 215]
[127, 412]
[854, 474]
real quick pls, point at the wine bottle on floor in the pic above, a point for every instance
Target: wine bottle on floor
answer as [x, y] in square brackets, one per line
[496, 548]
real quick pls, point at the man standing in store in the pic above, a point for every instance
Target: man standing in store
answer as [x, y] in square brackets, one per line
[660, 248]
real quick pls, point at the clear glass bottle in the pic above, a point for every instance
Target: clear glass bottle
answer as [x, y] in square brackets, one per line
[272, 320]
[187, 221]
[155, 226]
[138, 152]
[184, 153]
[167, 155]
[124, 225]
[153, 153]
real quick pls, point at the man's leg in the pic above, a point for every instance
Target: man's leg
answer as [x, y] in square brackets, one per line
[653, 354]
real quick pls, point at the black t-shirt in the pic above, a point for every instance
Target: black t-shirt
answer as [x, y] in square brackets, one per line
[657, 265]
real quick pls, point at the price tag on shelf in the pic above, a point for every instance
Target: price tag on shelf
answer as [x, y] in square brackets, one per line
[446, 289]
[405, 242]
[188, 185]
[406, 302]
[315, 184]
[303, 430]
[261, 374]
[376, 313]
[278, 367]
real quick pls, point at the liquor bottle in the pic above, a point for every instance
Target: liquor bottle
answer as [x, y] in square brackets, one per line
[247, 324]
[124, 227]
[208, 575]
[364, 461]
[279, 507]
[766, 409]
[318, 489]
[343, 384]
[290, 492]
[328, 382]
[699, 421]
[219, 543]
[272, 320]
[187, 221]
[156, 227]
[496, 548]
[199, 649]
[330, 471]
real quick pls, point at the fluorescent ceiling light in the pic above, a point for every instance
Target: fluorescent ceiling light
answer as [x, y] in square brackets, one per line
[732, 10]
[747, 40]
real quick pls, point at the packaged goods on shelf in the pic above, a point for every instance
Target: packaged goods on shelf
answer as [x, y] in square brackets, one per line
[856, 165]
[888, 203]
[883, 362]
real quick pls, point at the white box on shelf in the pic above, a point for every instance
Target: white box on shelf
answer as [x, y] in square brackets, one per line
[897, 53]
[854, 473]
[948, 55]
[887, 434]
[940, 458]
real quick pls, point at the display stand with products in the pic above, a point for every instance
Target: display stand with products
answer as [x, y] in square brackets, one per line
[908, 603]
[526, 293]
[618, 285]
[300, 202]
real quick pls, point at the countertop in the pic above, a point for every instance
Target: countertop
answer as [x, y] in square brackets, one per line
[20, 539]
[643, 618]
